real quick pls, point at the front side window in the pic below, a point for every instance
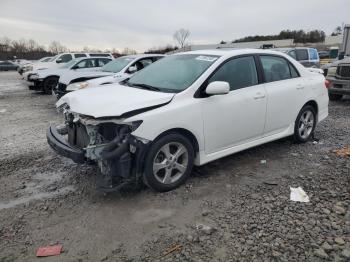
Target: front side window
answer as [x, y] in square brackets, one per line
[302, 54]
[142, 63]
[65, 58]
[87, 63]
[117, 65]
[69, 64]
[173, 73]
[276, 68]
[239, 73]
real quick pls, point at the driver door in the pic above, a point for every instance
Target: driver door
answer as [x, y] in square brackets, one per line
[239, 116]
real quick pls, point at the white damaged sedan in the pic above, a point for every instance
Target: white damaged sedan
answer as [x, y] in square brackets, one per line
[188, 109]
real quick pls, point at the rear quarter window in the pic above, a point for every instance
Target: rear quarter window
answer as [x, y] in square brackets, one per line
[313, 54]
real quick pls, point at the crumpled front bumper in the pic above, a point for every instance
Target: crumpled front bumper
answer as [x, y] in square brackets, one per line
[61, 146]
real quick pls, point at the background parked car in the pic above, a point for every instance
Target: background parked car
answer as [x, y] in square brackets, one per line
[323, 54]
[308, 57]
[46, 79]
[25, 66]
[60, 59]
[338, 77]
[113, 72]
[8, 65]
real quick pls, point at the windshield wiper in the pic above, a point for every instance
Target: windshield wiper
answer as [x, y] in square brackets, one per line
[145, 86]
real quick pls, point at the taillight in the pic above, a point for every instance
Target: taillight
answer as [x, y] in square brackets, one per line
[327, 83]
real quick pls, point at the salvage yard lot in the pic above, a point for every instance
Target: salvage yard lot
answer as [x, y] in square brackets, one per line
[242, 201]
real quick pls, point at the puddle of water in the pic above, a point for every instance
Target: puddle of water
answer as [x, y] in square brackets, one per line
[37, 196]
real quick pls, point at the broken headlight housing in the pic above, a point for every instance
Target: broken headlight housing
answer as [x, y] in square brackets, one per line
[77, 86]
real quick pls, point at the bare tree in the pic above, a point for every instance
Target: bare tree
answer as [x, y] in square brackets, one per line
[181, 36]
[129, 51]
[56, 47]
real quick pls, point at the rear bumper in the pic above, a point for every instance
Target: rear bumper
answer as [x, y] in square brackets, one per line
[61, 146]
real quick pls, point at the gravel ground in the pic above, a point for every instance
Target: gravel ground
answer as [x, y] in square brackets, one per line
[234, 209]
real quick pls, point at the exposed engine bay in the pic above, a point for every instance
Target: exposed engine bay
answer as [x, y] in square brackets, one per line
[107, 143]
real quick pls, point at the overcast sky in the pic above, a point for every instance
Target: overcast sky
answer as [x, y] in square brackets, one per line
[144, 24]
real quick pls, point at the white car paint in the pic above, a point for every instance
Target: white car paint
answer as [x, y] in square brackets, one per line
[221, 124]
[113, 77]
[44, 73]
[55, 61]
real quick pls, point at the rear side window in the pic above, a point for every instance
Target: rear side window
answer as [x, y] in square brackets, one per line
[65, 58]
[239, 73]
[79, 55]
[277, 68]
[302, 54]
[313, 54]
[101, 55]
[292, 54]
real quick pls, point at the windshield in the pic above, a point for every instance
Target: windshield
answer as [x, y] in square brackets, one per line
[116, 65]
[173, 73]
[69, 64]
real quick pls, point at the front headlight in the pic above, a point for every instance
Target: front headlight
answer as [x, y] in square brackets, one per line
[332, 71]
[28, 68]
[77, 86]
[34, 77]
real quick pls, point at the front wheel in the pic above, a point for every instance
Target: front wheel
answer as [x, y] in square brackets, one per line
[305, 124]
[169, 162]
[49, 83]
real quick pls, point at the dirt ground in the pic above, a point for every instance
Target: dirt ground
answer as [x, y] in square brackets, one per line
[234, 209]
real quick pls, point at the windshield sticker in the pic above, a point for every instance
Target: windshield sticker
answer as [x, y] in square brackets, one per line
[206, 58]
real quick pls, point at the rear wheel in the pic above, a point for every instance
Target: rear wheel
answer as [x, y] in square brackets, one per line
[305, 124]
[335, 97]
[169, 162]
[49, 83]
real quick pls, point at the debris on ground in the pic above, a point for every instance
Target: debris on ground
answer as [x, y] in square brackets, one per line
[298, 195]
[343, 151]
[263, 162]
[49, 251]
[208, 230]
[173, 248]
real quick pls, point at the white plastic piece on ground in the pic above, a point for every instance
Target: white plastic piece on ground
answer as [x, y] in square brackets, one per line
[263, 162]
[298, 195]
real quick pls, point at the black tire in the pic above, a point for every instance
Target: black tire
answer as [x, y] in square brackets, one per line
[335, 97]
[49, 83]
[298, 137]
[150, 178]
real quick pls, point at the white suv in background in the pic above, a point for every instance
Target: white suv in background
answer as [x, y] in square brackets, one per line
[60, 59]
[46, 79]
[188, 109]
[113, 72]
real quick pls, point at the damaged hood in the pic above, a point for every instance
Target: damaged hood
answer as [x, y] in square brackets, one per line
[112, 100]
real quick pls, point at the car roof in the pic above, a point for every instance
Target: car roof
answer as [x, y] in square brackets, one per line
[228, 52]
[142, 55]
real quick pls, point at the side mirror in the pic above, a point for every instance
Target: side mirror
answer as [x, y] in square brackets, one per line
[218, 88]
[59, 60]
[132, 69]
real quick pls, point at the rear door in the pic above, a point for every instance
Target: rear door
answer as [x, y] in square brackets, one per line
[239, 116]
[285, 90]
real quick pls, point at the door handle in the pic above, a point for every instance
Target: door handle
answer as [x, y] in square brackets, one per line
[300, 86]
[259, 96]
